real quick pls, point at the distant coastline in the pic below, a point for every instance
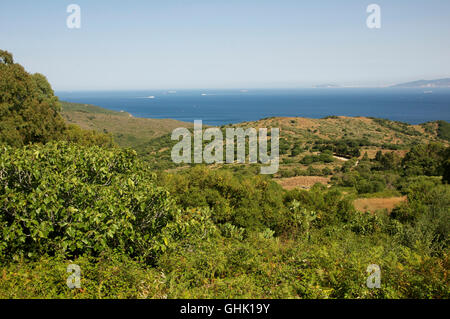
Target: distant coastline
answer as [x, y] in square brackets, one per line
[425, 84]
[220, 107]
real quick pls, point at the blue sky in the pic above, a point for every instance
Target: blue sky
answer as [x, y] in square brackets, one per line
[174, 44]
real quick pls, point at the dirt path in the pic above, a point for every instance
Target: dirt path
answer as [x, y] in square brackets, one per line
[341, 158]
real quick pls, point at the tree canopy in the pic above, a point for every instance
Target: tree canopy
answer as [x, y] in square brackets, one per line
[28, 106]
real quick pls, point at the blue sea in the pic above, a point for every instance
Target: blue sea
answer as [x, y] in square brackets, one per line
[219, 107]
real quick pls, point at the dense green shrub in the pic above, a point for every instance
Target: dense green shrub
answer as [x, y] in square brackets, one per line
[446, 167]
[387, 161]
[107, 276]
[324, 157]
[77, 135]
[284, 146]
[426, 217]
[425, 160]
[364, 182]
[444, 130]
[364, 186]
[296, 150]
[67, 199]
[342, 147]
[253, 202]
[330, 205]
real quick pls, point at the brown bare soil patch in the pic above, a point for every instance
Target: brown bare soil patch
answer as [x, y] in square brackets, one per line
[374, 204]
[304, 182]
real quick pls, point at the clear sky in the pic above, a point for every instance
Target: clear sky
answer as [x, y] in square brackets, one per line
[174, 44]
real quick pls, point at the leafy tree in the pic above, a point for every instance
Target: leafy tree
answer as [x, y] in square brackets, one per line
[425, 160]
[365, 157]
[379, 156]
[446, 167]
[389, 161]
[444, 130]
[28, 106]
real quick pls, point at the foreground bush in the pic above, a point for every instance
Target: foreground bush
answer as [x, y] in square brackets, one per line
[68, 199]
[253, 202]
[107, 276]
[331, 263]
[231, 237]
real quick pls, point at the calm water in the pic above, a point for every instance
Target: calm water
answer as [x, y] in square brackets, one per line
[218, 107]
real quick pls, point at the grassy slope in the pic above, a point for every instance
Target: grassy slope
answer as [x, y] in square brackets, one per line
[341, 127]
[151, 137]
[131, 131]
[127, 130]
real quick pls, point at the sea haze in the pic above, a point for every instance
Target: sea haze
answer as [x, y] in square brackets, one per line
[219, 107]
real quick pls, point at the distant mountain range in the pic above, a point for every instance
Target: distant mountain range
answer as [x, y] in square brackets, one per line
[441, 83]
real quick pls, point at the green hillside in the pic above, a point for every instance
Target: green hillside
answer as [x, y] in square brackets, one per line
[351, 193]
[126, 130]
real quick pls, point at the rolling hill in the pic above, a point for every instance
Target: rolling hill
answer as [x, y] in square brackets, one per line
[128, 131]
[299, 137]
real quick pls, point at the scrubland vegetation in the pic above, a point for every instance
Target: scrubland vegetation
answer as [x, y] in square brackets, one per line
[141, 227]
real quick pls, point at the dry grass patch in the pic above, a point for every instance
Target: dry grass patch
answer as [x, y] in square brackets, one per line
[304, 182]
[374, 204]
